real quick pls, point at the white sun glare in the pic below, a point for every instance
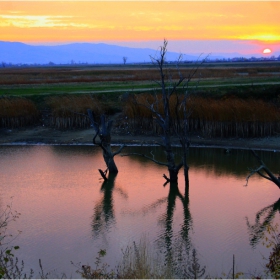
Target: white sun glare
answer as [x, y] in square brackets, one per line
[266, 51]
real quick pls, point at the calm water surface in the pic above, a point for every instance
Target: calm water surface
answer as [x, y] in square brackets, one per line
[69, 214]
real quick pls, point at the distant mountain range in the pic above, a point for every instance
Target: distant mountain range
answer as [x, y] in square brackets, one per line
[14, 52]
[20, 53]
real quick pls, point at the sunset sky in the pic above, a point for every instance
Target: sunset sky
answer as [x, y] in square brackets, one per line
[190, 26]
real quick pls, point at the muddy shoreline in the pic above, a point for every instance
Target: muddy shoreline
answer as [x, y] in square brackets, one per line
[41, 135]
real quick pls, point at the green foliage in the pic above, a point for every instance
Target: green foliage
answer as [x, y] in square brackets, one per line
[10, 267]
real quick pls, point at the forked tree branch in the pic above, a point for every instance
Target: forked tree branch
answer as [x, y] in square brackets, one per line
[269, 175]
[119, 150]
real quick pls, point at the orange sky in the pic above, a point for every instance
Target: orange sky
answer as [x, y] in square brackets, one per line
[77, 21]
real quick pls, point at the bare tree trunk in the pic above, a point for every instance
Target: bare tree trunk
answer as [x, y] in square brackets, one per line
[108, 154]
[173, 174]
[104, 134]
[185, 147]
[173, 169]
[164, 119]
[187, 182]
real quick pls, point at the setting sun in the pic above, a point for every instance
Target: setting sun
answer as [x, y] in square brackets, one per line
[266, 51]
[190, 26]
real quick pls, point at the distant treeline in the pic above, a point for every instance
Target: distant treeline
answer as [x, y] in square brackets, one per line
[4, 64]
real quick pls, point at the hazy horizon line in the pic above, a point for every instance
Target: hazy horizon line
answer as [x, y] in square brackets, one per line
[181, 46]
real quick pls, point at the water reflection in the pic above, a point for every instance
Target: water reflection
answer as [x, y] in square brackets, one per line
[216, 161]
[167, 237]
[104, 214]
[235, 162]
[175, 246]
[69, 151]
[264, 218]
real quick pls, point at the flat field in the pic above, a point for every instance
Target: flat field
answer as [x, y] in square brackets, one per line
[228, 99]
[25, 81]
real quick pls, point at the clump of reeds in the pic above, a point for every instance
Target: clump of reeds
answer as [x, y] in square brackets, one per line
[230, 117]
[234, 117]
[71, 111]
[17, 112]
[139, 115]
[139, 263]
[136, 108]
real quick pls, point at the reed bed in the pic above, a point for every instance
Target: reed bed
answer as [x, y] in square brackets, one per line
[71, 111]
[234, 117]
[140, 116]
[231, 117]
[17, 112]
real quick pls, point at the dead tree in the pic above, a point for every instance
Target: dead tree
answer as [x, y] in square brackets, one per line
[181, 131]
[124, 59]
[103, 131]
[264, 172]
[169, 88]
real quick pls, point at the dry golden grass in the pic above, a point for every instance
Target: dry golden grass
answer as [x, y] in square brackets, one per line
[50, 75]
[17, 112]
[226, 117]
[232, 117]
[71, 111]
